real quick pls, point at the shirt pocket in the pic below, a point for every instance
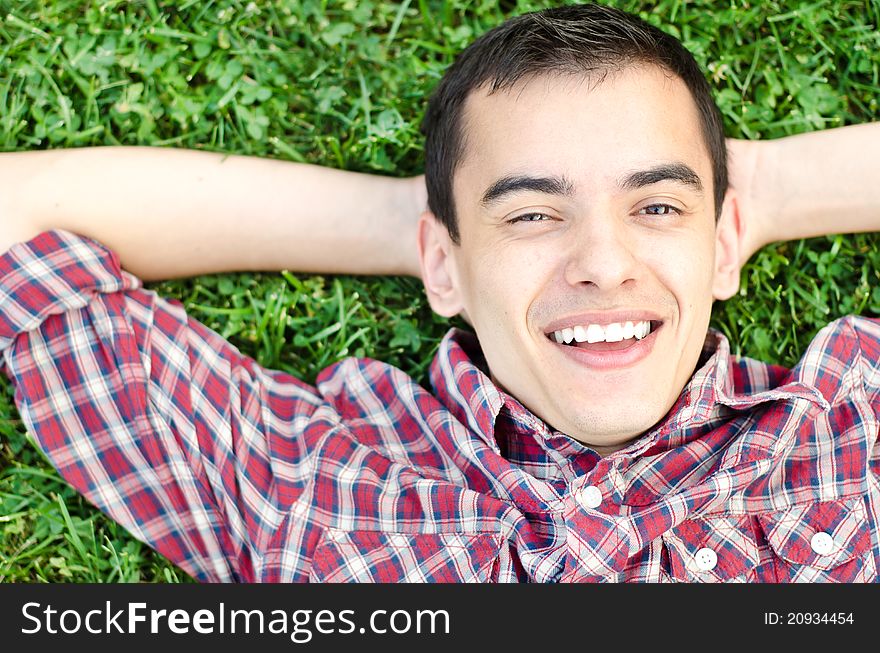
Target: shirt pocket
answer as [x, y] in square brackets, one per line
[711, 550]
[826, 542]
[380, 557]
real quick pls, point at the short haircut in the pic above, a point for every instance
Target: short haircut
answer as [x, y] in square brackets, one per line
[589, 40]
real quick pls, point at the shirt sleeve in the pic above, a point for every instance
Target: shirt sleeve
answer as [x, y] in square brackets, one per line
[867, 332]
[156, 419]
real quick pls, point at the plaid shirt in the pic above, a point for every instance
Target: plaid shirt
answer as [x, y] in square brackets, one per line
[239, 473]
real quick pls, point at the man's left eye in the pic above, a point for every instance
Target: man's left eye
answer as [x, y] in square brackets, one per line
[659, 209]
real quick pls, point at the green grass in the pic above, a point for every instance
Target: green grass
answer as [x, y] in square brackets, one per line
[343, 84]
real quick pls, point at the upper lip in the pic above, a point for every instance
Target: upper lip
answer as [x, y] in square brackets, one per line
[602, 318]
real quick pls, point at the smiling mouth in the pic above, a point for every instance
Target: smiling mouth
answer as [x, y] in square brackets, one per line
[608, 337]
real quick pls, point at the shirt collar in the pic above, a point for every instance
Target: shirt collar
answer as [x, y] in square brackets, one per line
[723, 383]
[460, 378]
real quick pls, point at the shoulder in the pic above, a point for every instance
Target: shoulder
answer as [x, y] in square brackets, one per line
[371, 391]
[846, 336]
[842, 356]
[383, 408]
[867, 333]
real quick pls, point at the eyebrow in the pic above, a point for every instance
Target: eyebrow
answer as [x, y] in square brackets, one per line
[562, 186]
[664, 172]
[552, 185]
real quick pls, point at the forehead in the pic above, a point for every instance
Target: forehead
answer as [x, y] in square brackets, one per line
[592, 130]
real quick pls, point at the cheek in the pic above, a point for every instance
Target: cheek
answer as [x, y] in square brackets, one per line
[685, 266]
[503, 282]
[697, 288]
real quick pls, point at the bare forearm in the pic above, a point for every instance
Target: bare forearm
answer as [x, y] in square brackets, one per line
[814, 184]
[172, 213]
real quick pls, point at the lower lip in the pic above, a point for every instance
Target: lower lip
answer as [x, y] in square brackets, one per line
[611, 360]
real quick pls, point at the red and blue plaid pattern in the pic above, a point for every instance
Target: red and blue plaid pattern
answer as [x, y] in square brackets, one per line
[239, 473]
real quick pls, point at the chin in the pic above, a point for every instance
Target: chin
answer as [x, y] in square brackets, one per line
[613, 429]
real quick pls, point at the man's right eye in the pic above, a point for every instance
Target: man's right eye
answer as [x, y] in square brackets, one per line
[530, 217]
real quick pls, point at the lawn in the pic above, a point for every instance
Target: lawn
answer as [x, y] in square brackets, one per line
[343, 84]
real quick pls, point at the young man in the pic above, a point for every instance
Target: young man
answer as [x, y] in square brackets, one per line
[591, 430]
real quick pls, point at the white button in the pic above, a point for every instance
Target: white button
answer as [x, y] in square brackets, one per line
[822, 543]
[590, 497]
[706, 559]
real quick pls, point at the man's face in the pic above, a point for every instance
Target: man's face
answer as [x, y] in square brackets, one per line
[583, 208]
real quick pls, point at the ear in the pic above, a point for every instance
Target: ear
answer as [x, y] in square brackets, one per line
[728, 242]
[437, 265]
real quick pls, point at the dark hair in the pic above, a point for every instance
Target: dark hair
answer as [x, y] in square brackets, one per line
[578, 39]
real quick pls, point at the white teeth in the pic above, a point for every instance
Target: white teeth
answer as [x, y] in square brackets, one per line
[595, 333]
[614, 332]
[642, 329]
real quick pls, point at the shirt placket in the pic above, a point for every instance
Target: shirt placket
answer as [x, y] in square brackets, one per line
[599, 537]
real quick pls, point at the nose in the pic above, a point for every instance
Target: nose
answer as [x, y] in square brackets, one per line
[600, 253]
